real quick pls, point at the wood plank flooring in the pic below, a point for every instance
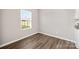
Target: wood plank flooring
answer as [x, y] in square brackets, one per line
[41, 41]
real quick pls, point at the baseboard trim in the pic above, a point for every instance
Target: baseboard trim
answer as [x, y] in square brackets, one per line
[15, 40]
[58, 37]
[36, 33]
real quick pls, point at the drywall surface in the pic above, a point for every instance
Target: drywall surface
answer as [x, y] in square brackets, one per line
[11, 29]
[0, 28]
[76, 13]
[76, 31]
[58, 22]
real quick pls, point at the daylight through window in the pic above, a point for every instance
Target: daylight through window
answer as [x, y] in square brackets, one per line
[26, 19]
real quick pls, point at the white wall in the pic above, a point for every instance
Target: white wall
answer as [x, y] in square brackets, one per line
[11, 25]
[58, 22]
[0, 27]
[76, 13]
[76, 31]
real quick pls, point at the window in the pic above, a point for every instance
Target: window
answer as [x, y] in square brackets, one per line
[26, 19]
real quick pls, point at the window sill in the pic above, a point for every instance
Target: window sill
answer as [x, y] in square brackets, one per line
[26, 29]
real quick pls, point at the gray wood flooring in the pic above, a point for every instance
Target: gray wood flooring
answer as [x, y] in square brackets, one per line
[41, 41]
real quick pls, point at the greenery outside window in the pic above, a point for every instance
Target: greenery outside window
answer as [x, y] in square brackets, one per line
[26, 19]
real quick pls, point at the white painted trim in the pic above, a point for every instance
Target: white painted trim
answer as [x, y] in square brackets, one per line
[42, 33]
[58, 37]
[16, 40]
[76, 44]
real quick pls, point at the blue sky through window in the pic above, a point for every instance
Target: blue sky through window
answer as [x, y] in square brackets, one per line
[25, 14]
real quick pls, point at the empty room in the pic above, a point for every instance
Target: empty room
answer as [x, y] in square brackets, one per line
[39, 28]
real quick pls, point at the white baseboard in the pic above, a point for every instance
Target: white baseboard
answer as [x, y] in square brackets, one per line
[77, 45]
[58, 37]
[16, 40]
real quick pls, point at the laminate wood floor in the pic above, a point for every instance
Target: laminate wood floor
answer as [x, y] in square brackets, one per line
[41, 41]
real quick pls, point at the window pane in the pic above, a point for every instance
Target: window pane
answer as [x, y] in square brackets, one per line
[26, 19]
